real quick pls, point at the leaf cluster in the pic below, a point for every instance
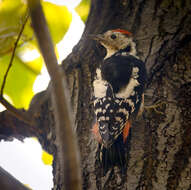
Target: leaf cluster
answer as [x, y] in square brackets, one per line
[23, 72]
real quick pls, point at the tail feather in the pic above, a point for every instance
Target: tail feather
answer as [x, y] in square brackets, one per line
[116, 155]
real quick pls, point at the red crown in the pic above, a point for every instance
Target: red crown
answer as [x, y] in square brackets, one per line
[123, 31]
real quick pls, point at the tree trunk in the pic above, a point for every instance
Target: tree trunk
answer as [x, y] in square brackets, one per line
[160, 153]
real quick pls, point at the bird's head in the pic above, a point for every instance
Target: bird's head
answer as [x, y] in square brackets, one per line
[117, 40]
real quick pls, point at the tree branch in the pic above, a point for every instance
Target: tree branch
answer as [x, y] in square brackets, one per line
[67, 146]
[7, 181]
[19, 114]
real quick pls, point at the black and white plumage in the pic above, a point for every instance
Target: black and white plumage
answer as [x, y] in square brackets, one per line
[118, 88]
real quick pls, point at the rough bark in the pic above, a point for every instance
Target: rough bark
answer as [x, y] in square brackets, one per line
[160, 154]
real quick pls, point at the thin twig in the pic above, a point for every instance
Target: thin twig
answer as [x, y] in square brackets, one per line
[154, 107]
[17, 113]
[13, 55]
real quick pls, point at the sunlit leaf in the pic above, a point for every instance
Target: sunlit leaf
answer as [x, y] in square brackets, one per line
[59, 19]
[30, 57]
[27, 186]
[83, 9]
[47, 158]
[22, 74]
[11, 17]
[19, 81]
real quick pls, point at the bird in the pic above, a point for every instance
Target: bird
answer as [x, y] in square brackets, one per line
[118, 96]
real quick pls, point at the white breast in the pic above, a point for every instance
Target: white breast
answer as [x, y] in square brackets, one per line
[99, 85]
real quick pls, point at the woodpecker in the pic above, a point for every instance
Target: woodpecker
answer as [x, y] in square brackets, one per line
[118, 95]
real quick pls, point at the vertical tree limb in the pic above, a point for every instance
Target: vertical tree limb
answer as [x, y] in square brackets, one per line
[66, 141]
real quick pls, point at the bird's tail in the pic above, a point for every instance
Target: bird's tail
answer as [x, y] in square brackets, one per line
[116, 155]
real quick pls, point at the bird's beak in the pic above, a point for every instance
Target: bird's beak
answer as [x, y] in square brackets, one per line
[97, 37]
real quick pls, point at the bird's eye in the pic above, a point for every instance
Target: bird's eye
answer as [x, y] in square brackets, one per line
[113, 36]
[128, 48]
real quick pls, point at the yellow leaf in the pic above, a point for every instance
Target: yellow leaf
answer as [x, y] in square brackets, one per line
[83, 9]
[47, 158]
[58, 18]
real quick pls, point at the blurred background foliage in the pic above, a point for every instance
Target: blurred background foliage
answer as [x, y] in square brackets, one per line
[83, 9]
[24, 71]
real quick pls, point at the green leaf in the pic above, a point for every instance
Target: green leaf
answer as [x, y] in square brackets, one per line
[19, 82]
[22, 75]
[11, 15]
[47, 158]
[83, 9]
[59, 19]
